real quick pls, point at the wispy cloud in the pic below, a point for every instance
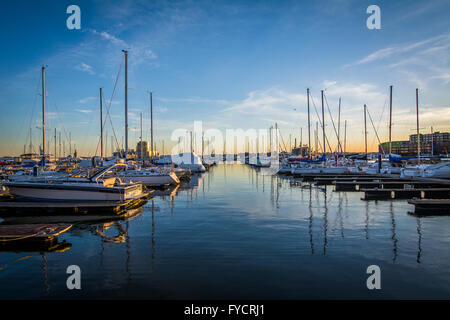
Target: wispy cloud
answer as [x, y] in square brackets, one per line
[111, 38]
[85, 68]
[397, 49]
[268, 101]
[162, 109]
[141, 50]
[83, 110]
[87, 99]
[194, 100]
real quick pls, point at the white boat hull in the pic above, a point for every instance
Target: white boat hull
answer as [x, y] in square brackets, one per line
[39, 194]
[154, 180]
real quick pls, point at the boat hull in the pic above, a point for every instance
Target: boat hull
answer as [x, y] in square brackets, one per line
[154, 180]
[60, 193]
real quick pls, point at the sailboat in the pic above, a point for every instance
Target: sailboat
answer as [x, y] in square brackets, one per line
[100, 187]
[50, 187]
[438, 170]
[152, 177]
[418, 169]
[190, 161]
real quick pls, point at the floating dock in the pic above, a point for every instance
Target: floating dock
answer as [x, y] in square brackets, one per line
[389, 194]
[431, 206]
[331, 180]
[43, 208]
[392, 184]
[335, 176]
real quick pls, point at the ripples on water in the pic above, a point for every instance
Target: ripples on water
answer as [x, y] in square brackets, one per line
[235, 233]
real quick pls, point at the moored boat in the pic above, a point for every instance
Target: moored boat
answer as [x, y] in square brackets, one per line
[153, 178]
[99, 187]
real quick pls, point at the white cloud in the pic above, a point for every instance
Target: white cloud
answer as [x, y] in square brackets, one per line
[269, 102]
[398, 49]
[85, 68]
[83, 110]
[111, 38]
[162, 109]
[86, 100]
[363, 92]
[194, 100]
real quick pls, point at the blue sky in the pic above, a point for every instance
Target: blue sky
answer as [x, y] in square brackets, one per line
[230, 64]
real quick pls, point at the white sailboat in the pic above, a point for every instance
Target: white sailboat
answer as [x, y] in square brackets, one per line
[99, 187]
[151, 177]
[189, 160]
[439, 170]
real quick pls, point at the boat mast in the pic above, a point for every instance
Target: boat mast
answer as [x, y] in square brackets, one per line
[31, 143]
[309, 124]
[270, 139]
[126, 103]
[418, 133]
[203, 143]
[43, 112]
[323, 125]
[142, 150]
[316, 137]
[345, 136]
[339, 133]
[101, 125]
[390, 120]
[151, 122]
[276, 140]
[301, 140]
[365, 131]
[339, 127]
[55, 144]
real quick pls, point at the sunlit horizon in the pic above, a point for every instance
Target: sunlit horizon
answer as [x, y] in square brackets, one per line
[231, 65]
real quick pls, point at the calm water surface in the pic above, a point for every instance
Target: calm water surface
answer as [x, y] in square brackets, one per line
[238, 234]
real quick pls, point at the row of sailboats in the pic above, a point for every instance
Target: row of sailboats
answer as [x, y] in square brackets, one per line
[111, 183]
[340, 164]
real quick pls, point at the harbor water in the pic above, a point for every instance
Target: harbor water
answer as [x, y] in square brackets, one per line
[234, 233]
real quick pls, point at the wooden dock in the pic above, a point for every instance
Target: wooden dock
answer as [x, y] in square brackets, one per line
[331, 180]
[389, 194]
[43, 208]
[396, 184]
[313, 176]
[431, 206]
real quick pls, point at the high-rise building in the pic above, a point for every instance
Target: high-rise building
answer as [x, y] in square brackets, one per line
[145, 150]
[430, 143]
